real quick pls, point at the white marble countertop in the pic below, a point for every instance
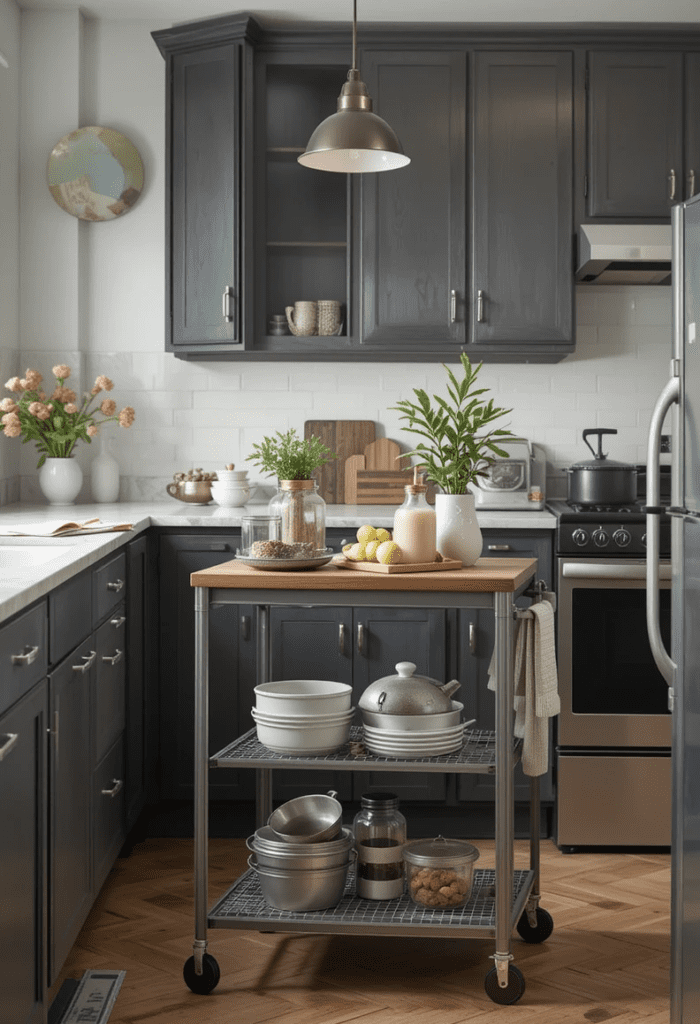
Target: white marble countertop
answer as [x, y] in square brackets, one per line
[17, 591]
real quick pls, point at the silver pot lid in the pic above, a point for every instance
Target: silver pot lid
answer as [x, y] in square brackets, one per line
[429, 852]
[408, 694]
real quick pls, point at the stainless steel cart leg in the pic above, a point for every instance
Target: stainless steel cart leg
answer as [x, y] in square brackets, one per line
[533, 900]
[263, 776]
[201, 767]
[504, 783]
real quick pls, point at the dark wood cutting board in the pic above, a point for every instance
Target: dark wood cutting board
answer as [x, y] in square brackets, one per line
[345, 438]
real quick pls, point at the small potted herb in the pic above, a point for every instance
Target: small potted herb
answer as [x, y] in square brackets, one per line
[292, 459]
[460, 444]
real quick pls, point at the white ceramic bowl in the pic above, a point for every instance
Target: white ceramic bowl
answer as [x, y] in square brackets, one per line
[317, 720]
[229, 497]
[232, 475]
[303, 739]
[303, 697]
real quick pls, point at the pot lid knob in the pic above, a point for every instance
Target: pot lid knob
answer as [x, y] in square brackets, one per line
[405, 669]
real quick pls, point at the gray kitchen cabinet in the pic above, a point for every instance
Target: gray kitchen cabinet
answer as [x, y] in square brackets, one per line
[522, 289]
[231, 668]
[476, 636]
[413, 221]
[634, 133]
[209, 157]
[692, 129]
[22, 855]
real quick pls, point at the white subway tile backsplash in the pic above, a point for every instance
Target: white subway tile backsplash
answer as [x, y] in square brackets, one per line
[261, 378]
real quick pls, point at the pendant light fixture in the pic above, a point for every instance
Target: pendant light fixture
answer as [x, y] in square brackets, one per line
[354, 140]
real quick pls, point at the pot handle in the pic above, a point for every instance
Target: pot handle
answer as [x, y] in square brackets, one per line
[599, 431]
[249, 843]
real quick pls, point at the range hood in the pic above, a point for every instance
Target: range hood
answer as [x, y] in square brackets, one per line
[624, 254]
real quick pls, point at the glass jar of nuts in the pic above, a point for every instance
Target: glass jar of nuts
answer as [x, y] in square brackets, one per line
[439, 871]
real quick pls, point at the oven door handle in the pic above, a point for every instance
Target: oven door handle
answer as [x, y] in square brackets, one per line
[605, 571]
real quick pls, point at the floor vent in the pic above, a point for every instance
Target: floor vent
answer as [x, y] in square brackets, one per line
[87, 1001]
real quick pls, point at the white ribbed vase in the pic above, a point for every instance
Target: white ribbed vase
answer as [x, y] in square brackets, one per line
[458, 532]
[60, 481]
[104, 474]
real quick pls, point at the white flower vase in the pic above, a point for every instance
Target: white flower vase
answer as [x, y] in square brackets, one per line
[104, 474]
[458, 532]
[60, 481]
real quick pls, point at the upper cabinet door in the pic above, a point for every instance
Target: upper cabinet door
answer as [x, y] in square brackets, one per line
[635, 131]
[413, 275]
[522, 153]
[205, 286]
[692, 125]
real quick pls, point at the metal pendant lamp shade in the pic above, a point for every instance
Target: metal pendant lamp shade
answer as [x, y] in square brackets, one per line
[354, 140]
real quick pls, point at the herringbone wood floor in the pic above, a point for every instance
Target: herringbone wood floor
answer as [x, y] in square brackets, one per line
[608, 958]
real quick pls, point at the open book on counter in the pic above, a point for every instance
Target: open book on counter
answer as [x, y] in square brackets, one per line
[62, 528]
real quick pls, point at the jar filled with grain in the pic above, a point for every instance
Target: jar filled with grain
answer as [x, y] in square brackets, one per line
[439, 872]
[302, 511]
[380, 832]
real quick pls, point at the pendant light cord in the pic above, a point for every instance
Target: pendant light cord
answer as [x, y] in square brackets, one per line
[354, 35]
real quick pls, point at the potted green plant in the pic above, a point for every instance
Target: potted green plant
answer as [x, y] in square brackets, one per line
[460, 444]
[292, 459]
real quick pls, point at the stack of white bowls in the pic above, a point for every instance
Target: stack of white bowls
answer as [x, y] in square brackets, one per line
[232, 488]
[303, 716]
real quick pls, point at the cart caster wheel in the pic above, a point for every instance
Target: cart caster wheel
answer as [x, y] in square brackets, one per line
[204, 983]
[511, 993]
[541, 932]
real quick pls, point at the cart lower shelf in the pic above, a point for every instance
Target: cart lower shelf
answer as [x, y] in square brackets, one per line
[243, 906]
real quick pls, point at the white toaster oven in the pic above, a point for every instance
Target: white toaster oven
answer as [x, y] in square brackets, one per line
[516, 482]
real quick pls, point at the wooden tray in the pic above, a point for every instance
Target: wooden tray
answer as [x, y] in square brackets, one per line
[447, 563]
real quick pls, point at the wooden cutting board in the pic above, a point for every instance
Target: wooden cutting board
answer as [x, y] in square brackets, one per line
[376, 477]
[345, 438]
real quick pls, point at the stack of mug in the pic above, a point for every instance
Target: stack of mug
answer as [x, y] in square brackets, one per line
[309, 318]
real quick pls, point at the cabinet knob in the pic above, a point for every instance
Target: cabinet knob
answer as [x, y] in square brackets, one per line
[672, 185]
[87, 662]
[27, 656]
[118, 621]
[114, 658]
[10, 741]
[116, 586]
[117, 785]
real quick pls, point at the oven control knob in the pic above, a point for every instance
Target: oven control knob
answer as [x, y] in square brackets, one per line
[622, 537]
[579, 537]
[600, 538]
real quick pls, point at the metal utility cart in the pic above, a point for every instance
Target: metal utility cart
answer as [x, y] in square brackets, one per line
[502, 898]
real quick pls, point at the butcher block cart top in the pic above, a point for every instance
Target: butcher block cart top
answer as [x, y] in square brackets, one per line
[502, 899]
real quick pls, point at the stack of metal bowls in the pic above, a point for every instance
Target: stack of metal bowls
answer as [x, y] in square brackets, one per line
[303, 716]
[303, 866]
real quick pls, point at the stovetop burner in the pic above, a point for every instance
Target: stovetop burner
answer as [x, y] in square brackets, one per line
[605, 530]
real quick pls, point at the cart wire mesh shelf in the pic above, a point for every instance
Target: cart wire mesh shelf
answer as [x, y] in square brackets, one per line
[477, 754]
[244, 906]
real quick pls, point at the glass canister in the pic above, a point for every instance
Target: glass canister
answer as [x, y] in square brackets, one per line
[415, 525]
[380, 832]
[258, 533]
[303, 514]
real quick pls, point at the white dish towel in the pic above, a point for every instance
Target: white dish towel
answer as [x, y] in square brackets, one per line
[536, 684]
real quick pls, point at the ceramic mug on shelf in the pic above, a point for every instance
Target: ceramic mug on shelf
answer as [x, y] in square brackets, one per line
[302, 318]
[328, 317]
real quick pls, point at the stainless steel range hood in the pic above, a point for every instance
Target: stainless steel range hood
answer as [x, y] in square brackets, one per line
[624, 254]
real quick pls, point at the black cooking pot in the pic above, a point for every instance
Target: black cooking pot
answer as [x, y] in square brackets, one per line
[601, 481]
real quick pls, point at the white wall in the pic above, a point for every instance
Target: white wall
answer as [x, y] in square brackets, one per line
[103, 304]
[9, 226]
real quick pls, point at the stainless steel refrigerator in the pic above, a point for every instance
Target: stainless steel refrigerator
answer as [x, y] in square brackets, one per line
[677, 411]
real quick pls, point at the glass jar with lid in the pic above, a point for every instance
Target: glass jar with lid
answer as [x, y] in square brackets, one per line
[380, 832]
[303, 514]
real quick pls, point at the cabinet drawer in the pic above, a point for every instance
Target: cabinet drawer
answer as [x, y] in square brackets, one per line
[23, 654]
[109, 703]
[70, 615]
[108, 587]
[108, 812]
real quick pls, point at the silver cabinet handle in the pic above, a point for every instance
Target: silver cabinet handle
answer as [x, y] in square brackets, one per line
[54, 732]
[480, 306]
[227, 303]
[115, 657]
[472, 638]
[117, 785]
[453, 306]
[360, 638]
[9, 743]
[245, 627]
[691, 183]
[116, 586]
[27, 656]
[87, 662]
[500, 547]
[672, 184]
[118, 621]
[341, 638]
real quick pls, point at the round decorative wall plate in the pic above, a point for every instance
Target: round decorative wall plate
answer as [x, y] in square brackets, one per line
[95, 173]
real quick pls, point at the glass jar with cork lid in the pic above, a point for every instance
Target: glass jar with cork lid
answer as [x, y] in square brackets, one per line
[414, 524]
[302, 511]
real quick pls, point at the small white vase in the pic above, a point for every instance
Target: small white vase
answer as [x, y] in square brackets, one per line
[458, 532]
[60, 481]
[104, 474]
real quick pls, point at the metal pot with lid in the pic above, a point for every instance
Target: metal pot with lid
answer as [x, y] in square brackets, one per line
[408, 694]
[600, 480]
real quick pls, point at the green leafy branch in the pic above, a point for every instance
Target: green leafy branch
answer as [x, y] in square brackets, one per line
[289, 457]
[461, 444]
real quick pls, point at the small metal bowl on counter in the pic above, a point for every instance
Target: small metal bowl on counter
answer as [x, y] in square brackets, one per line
[439, 872]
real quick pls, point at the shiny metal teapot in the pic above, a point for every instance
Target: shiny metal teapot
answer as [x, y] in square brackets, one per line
[408, 694]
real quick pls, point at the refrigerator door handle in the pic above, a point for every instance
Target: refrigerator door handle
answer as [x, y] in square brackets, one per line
[666, 399]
